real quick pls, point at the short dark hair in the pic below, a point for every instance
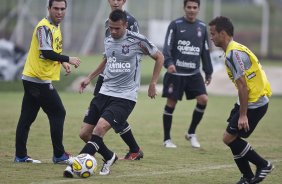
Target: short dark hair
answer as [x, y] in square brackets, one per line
[51, 2]
[222, 23]
[117, 15]
[196, 1]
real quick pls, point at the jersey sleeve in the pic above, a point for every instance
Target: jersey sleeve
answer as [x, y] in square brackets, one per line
[237, 62]
[147, 47]
[44, 37]
[168, 45]
[205, 56]
[133, 25]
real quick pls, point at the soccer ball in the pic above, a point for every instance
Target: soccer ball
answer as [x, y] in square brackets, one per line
[84, 165]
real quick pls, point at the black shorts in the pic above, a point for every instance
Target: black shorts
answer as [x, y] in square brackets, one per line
[175, 86]
[254, 116]
[98, 85]
[114, 110]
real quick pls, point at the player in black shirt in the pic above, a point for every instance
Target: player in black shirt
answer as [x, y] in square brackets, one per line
[186, 43]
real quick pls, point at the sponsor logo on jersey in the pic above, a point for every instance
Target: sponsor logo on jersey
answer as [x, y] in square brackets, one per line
[239, 60]
[144, 48]
[131, 40]
[169, 37]
[252, 75]
[116, 67]
[59, 43]
[185, 47]
[185, 64]
[40, 37]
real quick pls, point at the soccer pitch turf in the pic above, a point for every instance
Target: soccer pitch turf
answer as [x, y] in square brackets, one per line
[213, 163]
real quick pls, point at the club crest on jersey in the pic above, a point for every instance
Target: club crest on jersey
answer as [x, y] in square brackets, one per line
[199, 32]
[125, 49]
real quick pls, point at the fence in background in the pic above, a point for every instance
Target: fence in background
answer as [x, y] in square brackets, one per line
[83, 27]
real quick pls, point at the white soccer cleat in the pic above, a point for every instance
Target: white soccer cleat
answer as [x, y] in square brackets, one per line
[107, 164]
[68, 172]
[193, 139]
[169, 144]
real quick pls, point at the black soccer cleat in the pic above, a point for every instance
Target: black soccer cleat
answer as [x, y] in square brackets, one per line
[261, 173]
[244, 181]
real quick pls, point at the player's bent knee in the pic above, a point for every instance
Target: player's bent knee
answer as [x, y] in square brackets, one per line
[228, 138]
[85, 136]
[202, 99]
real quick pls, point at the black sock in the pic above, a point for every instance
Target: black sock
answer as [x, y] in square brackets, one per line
[105, 152]
[256, 159]
[239, 148]
[129, 139]
[196, 118]
[244, 167]
[167, 121]
[92, 146]
[96, 144]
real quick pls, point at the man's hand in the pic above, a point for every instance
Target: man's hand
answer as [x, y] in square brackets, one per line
[208, 79]
[152, 91]
[67, 68]
[83, 84]
[243, 123]
[74, 61]
[171, 69]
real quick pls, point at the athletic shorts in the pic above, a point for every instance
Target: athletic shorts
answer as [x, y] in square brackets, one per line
[98, 85]
[174, 86]
[114, 110]
[254, 116]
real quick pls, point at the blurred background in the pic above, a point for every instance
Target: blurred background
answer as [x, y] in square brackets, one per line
[257, 22]
[258, 25]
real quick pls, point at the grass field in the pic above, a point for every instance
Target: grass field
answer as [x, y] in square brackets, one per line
[211, 164]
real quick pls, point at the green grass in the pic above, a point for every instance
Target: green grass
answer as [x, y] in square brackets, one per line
[211, 164]
[89, 64]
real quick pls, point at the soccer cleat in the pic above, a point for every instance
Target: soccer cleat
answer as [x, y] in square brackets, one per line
[244, 181]
[26, 159]
[66, 158]
[68, 172]
[107, 164]
[134, 156]
[168, 144]
[193, 139]
[261, 173]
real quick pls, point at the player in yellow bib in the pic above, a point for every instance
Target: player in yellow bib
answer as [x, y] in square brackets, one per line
[246, 73]
[43, 65]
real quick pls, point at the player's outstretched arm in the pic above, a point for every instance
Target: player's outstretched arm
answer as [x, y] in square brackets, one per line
[74, 61]
[159, 61]
[92, 75]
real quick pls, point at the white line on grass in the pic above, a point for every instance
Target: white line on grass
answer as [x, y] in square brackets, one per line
[153, 173]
